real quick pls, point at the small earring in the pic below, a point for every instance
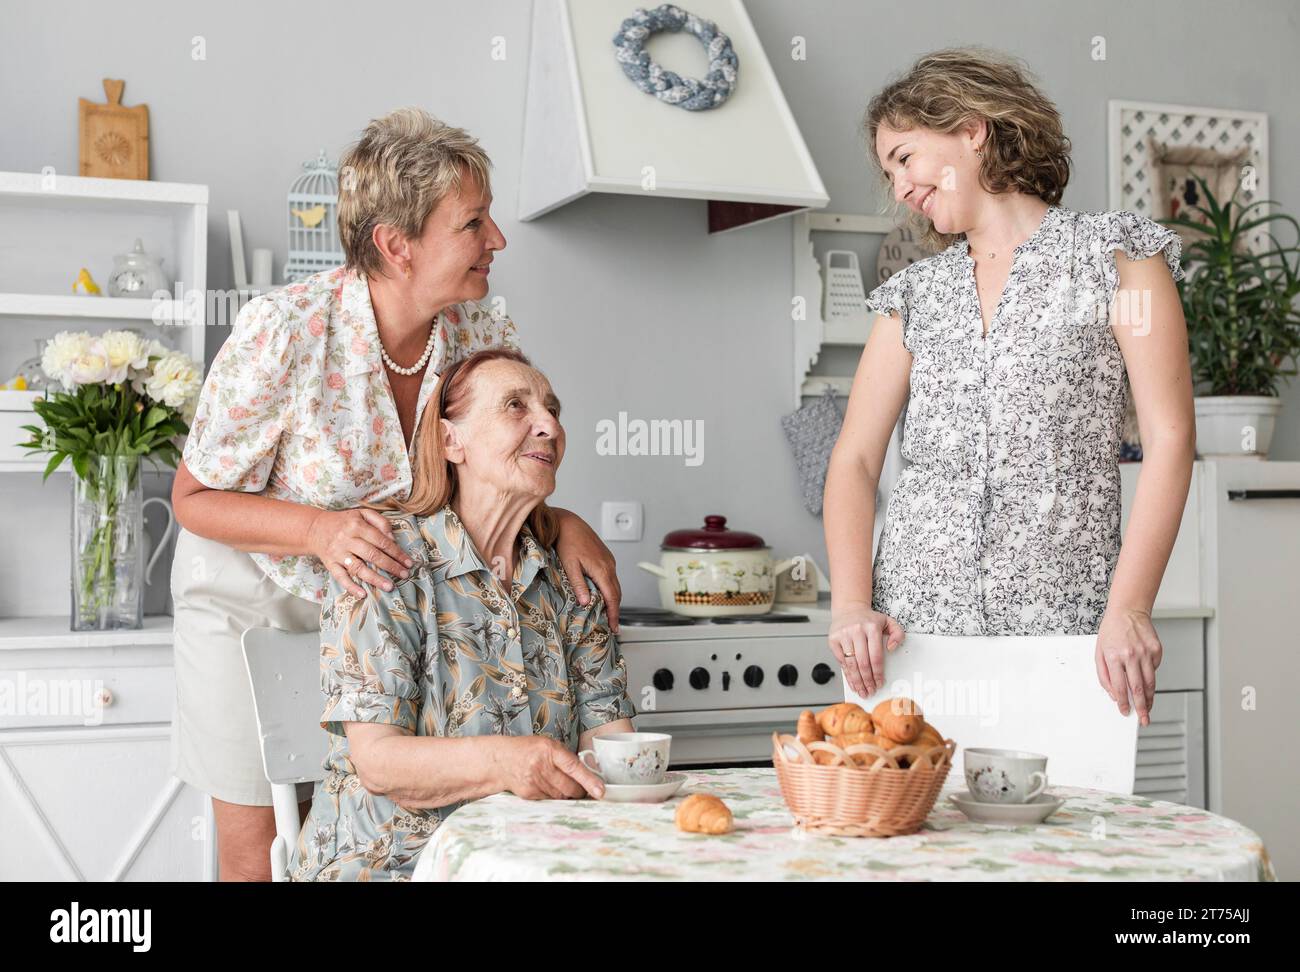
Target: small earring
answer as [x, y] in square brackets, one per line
[408, 271]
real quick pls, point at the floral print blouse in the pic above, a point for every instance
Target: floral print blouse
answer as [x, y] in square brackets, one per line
[448, 652]
[298, 405]
[1006, 520]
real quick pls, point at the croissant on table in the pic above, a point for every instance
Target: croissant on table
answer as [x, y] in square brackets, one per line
[701, 813]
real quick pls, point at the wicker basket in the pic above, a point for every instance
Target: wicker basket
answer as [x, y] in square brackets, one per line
[845, 799]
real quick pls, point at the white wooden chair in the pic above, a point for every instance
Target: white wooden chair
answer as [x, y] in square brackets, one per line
[284, 670]
[1033, 693]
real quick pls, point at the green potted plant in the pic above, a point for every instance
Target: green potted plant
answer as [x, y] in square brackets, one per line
[1242, 323]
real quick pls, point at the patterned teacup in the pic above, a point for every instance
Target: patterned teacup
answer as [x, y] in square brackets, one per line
[629, 758]
[1005, 775]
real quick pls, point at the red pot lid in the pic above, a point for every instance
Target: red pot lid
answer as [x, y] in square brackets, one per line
[714, 536]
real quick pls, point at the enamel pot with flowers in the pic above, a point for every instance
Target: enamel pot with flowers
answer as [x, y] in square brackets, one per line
[714, 571]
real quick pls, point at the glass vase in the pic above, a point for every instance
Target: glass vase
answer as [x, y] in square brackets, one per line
[34, 374]
[107, 553]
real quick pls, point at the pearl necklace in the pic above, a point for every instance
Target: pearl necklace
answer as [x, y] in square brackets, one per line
[428, 350]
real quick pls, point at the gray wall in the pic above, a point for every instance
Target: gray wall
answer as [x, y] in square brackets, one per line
[628, 304]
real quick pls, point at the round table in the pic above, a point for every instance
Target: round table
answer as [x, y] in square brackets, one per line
[1095, 836]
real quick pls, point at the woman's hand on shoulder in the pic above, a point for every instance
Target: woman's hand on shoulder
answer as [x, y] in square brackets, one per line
[582, 552]
[540, 768]
[859, 638]
[354, 545]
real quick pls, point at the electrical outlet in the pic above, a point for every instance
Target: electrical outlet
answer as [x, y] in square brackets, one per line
[621, 520]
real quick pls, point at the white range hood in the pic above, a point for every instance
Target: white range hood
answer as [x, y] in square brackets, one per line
[589, 129]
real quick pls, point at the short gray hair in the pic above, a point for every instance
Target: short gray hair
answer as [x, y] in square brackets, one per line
[403, 165]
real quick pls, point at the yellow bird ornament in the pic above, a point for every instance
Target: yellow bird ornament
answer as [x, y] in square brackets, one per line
[310, 217]
[86, 282]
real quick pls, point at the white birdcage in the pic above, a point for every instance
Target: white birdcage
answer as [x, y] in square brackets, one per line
[313, 220]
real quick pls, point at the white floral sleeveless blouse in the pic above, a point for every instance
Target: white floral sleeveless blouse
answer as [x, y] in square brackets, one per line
[1007, 518]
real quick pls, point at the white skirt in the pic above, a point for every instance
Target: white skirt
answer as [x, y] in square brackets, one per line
[218, 592]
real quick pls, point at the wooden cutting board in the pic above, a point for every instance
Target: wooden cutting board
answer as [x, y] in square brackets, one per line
[114, 138]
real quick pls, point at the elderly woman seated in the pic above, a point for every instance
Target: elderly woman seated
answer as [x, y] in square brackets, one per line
[478, 674]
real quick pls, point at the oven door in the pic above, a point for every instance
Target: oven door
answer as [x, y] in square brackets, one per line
[721, 738]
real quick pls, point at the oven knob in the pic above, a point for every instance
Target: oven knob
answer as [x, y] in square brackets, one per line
[663, 680]
[699, 678]
[821, 673]
[787, 675]
[753, 676]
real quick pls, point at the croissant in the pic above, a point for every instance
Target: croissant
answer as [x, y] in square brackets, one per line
[844, 740]
[844, 717]
[930, 736]
[900, 719]
[858, 738]
[808, 729]
[701, 813]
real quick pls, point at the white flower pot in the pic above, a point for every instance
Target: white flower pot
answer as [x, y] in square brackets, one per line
[1235, 426]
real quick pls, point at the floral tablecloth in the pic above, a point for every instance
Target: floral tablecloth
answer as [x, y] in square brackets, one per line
[1095, 836]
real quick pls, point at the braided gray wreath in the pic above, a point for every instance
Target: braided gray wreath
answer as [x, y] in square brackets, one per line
[692, 94]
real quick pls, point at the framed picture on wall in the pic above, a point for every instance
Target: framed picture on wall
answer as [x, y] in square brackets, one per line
[1156, 149]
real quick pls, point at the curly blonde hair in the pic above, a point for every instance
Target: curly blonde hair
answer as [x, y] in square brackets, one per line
[403, 165]
[1026, 149]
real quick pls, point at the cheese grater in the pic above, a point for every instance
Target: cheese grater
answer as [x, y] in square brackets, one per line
[844, 299]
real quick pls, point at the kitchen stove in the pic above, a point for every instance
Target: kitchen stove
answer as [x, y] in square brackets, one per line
[650, 617]
[721, 686]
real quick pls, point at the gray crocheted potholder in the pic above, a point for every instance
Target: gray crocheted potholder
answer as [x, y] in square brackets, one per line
[812, 430]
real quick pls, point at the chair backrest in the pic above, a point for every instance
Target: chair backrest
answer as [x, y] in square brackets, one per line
[284, 671]
[1035, 693]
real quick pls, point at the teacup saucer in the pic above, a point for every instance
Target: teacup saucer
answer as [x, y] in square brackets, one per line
[644, 792]
[1036, 811]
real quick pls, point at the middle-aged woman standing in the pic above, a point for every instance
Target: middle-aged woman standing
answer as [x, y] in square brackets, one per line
[1014, 346]
[305, 417]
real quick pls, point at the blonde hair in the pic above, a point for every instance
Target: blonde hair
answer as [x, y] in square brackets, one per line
[434, 475]
[404, 164]
[1026, 149]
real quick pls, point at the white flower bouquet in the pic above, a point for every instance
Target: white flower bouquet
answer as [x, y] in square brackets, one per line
[124, 396]
[124, 399]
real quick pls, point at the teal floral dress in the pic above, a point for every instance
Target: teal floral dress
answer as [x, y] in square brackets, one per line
[448, 653]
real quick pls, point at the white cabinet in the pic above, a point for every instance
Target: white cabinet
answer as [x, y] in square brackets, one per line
[85, 733]
[85, 717]
[1234, 576]
[1171, 750]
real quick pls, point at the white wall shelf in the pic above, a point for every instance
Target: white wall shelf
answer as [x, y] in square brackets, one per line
[814, 332]
[74, 307]
[52, 632]
[51, 225]
[79, 192]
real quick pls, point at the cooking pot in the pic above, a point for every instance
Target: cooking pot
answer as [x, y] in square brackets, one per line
[716, 572]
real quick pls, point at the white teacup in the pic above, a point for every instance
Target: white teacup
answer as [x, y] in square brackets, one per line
[1005, 775]
[629, 758]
